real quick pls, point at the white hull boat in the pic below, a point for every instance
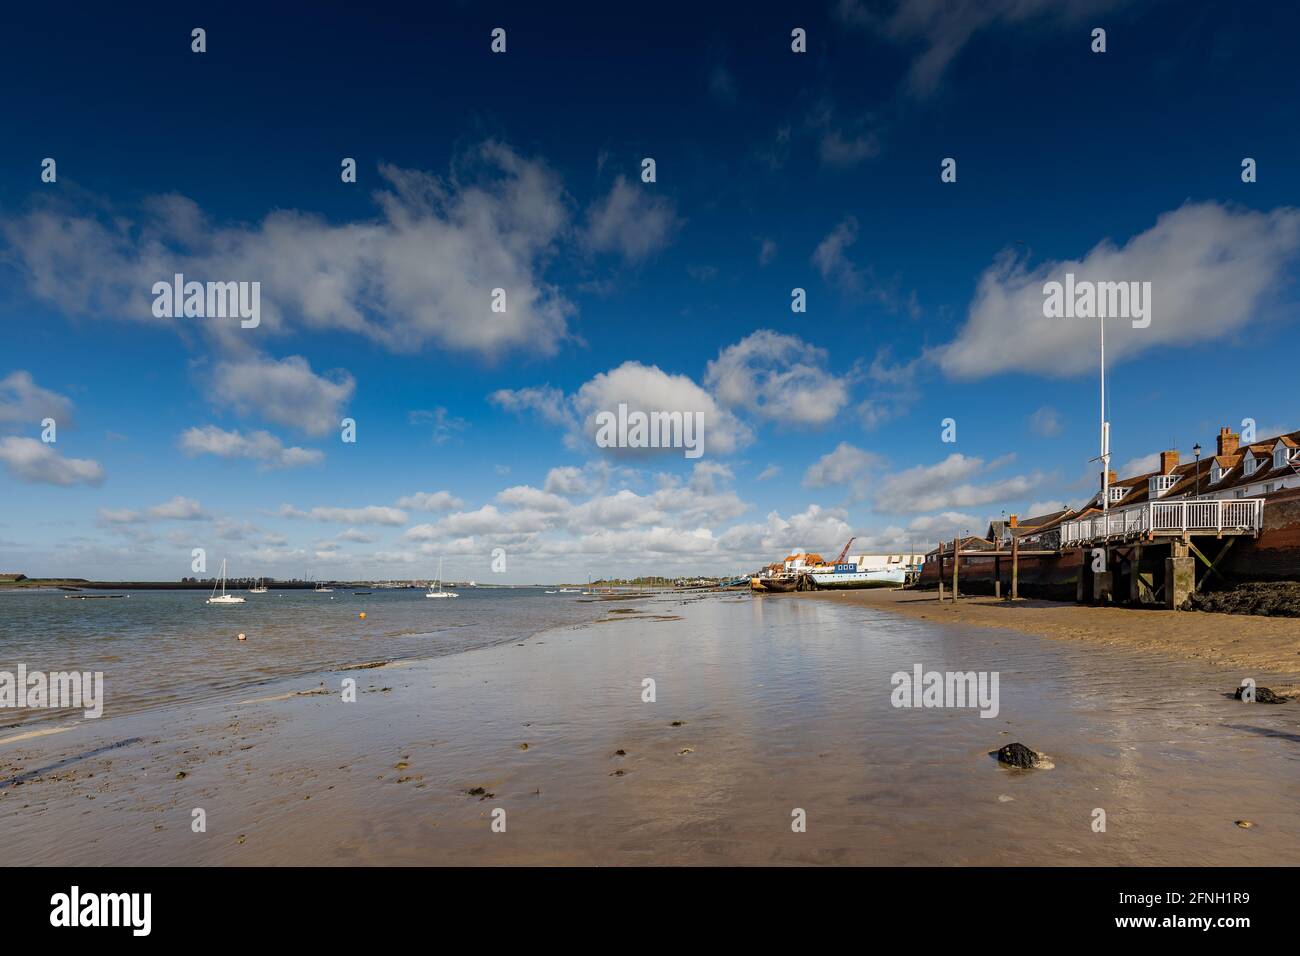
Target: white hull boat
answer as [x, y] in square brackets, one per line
[437, 591]
[224, 598]
[866, 578]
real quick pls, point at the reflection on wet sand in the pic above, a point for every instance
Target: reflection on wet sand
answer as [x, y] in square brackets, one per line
[762, 708]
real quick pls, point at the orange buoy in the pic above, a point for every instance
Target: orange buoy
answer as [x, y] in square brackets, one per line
[363, 615]
[242, 638]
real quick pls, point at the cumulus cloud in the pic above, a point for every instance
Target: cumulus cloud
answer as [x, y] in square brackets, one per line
[1212, 269]
[1142, 465]
[644, 388]
[430, 501]
[549, 404]
[287, 392]
[946, 485]
[779, 377]
[847, 465]
[178, 508]
[416, 275]
[814, 529]
[632, 221]
[23, 402]
[257, 446]
[370, 514]
[647, 388]
[527, 497]
[35, 462]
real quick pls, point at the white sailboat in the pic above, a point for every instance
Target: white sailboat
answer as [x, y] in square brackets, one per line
[438, 592]
[258, 588]
[224, 598]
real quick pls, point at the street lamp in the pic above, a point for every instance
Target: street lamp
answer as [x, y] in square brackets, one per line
[1196, 450]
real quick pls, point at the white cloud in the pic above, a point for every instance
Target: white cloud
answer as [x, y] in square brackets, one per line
[771, 471]
[23, 402]
[648, 389]
[1142, 465]
[633, 221]
[527, 497]
[777, 376]
[846, 465]
[257, 446]
[178, 508]
[430, 501]
[568, 480]
[370, 514]
[814, 529]
[1212, 268]
[831, 260]
[285, 391]
[1045, 422]
[35, 462]
[546, 402]
[944, 485]
[421, 273]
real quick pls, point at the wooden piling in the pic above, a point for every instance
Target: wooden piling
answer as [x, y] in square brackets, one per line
[956, 561]
[1015, 567]
[940, 572]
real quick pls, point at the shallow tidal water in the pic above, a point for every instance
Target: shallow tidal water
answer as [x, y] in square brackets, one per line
[780, 705]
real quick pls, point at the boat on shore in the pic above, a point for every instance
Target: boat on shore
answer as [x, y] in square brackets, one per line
[833, 580]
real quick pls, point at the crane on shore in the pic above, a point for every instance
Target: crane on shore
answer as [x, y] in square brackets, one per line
[844, 553]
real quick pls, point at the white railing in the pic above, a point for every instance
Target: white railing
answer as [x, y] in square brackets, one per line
[1196, 516]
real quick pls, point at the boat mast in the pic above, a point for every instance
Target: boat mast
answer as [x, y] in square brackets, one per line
[1105, 428]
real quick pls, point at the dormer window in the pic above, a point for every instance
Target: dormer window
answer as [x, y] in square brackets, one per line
[1281, 455]
[1160, 484]
[1250, 464]
[1216, 474]
[1117, 492]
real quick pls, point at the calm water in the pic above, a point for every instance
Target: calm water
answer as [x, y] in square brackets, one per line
[763, 706]
[156, 647]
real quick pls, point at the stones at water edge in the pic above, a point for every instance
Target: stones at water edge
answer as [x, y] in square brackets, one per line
[1016, 755]
[1262, 696]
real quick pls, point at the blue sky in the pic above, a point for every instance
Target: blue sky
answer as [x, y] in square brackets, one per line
[522, 170]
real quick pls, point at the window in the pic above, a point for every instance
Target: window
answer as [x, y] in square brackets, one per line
[1216, 474]
[1251, 464]
[1268, 488]
[1159, 484]
[1117, 493]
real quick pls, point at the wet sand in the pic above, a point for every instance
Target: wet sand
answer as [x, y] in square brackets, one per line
[1243, 642]
[764, 706]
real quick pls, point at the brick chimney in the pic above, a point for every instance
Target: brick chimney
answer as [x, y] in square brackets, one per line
[1015, 522]
[1168, 461]
[1110, 478]
[1228, 440]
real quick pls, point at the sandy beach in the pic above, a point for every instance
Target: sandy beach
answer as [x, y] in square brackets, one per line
[1264, 644]
[763, 707]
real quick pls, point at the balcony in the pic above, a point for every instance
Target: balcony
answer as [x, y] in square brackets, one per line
[1167, 519]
